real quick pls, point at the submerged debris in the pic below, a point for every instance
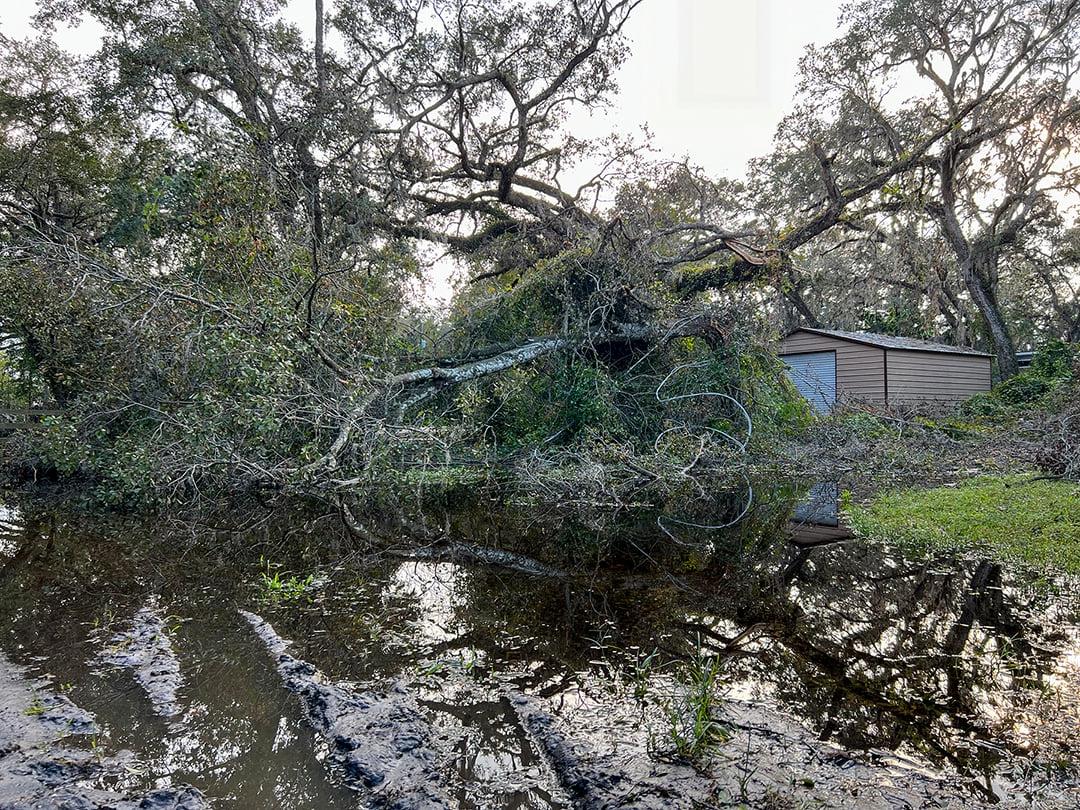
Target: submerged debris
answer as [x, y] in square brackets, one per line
[379, 740]
[146, 649]
[604, 782]
[38, 770]
[469, 553]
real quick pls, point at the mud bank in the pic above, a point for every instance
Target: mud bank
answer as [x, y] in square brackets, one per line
[145, 649]
[604, 782]
[380, 741]
[772, 758]
[41, 766]
[768, 761]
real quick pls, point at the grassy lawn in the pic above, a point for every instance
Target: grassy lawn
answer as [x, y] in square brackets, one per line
[1010, 518]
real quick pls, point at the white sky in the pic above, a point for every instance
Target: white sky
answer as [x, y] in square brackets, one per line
[710, 78]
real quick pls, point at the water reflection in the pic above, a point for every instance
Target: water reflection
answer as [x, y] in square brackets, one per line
[816, 519]
[432, 589]
[961, 666]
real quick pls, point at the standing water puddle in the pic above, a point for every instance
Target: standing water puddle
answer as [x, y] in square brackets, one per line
[847, 675]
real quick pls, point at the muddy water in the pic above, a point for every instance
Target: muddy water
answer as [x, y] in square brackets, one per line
[845, 674]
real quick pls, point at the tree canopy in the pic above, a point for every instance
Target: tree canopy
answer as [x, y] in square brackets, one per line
[212, 230]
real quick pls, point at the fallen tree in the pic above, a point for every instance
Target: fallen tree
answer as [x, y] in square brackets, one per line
[222, 292]
[408, 389]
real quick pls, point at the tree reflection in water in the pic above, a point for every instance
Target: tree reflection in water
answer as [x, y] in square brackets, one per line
[966, 665]
[955, 661]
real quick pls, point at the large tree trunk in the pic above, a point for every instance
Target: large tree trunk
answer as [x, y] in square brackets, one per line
[977, 259]
[412, 387]
[976, 270]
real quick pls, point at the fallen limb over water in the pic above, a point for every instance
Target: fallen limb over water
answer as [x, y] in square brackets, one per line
[404, 391]
[466, 553]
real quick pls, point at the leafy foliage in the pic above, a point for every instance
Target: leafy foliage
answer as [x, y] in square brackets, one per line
[1052, 369]
[975, 107]
[212, 232]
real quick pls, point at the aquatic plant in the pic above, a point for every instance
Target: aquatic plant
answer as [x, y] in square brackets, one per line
[282, 586]
[642, 670]
[693, 728]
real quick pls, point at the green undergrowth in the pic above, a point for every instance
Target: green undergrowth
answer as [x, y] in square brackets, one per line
[1012, 518]
[1046, 384]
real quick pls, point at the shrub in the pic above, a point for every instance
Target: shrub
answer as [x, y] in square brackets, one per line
[1026, 387]
[1052, 367]
[1056, 360]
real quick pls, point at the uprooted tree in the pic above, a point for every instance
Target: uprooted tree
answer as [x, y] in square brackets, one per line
[212, 228]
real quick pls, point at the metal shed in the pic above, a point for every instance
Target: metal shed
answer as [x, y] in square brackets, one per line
[829, 366]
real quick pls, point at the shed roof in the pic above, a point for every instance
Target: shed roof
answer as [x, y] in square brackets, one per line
[890, 342]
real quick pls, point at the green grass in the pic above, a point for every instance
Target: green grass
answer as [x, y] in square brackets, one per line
[693, 730]
[1010, 518]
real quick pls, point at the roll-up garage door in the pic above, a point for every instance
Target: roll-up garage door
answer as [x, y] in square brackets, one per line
[814, 374]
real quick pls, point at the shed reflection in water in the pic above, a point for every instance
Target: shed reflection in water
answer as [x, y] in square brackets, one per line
[961, 665]
[816, 519]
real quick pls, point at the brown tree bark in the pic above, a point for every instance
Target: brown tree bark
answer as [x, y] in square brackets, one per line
[979, 267]
[977, 258]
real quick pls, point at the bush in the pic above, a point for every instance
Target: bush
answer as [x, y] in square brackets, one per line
[1026, 387]
[1056, 360]
[1052, 367]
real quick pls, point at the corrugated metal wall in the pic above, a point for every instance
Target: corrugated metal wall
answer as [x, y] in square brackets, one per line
[814, 374]
[929, 377]
[913, 376]
[860, 370]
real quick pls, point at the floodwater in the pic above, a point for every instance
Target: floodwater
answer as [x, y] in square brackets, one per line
[842, 673]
